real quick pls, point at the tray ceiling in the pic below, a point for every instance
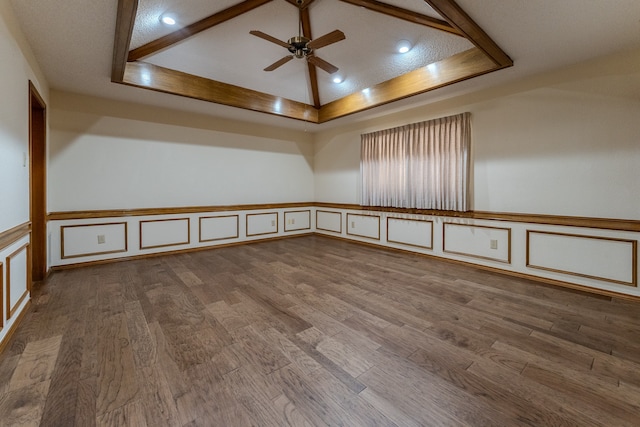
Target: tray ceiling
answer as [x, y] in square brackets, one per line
[73, 44]
[211, 55]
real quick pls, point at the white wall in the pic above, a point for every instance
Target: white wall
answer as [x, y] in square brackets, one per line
[16, 71]
[566, 143]
[17, 67]
[106, 155]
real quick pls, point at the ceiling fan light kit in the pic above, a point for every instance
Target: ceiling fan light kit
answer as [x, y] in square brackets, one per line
[302, 47]
[298, 46]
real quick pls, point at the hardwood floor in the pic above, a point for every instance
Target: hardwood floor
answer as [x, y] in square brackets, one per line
[313, 331]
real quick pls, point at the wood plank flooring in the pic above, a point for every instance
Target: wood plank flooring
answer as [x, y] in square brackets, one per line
[312, 331]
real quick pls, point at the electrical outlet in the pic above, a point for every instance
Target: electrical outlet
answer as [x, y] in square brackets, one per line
[494, 244]
[101, 239]
[353, 224]
[273, 223]
[293, 220]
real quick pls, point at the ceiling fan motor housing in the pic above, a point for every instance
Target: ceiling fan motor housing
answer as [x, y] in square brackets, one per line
[298, 46]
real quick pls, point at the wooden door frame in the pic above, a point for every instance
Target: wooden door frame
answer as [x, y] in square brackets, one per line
[38, 183]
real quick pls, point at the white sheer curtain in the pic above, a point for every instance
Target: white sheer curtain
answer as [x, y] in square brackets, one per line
[422, 165]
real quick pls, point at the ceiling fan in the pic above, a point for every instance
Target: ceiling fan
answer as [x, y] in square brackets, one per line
[302, 47]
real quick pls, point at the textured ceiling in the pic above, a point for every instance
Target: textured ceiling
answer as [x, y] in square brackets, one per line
[73, 42]
[228, 53]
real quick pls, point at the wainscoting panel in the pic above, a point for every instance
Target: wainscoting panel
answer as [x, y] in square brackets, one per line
[363, 226]
[223, 227]
[598, 255]
[329, 221]
[262, 224]
[478, 241]
[410, 232]
[162, 233]
[297, 220]
[93, 239]
[600, 258]
[18, 282]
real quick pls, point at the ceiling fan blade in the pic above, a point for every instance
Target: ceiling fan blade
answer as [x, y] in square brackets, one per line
[327, 39]
[279, 63]
[321, 63]
[269, 38]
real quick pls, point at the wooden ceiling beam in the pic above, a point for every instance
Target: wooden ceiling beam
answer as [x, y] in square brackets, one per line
[484, 58]
[148, 76]
[313, 75]
[126, 17]
[305, 3]
[195, 28]
[407, 15]
[456, 68]
[459, 19]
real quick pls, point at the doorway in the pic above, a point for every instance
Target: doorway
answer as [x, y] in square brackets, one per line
[38, 183]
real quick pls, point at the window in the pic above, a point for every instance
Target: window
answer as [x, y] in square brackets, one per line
[422, 165]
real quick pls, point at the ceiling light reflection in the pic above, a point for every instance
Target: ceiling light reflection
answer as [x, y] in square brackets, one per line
[404, 46]
[168, 20]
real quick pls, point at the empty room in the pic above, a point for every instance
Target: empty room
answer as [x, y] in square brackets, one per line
[319, 213]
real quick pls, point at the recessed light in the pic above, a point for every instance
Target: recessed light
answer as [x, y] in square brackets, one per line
[168, 20]
[404, 46]
[338, 79]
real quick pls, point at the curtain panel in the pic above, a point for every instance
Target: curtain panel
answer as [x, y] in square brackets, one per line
[421, 165]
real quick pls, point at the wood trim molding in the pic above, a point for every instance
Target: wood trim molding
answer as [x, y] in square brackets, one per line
[412, 211]
[568, 221]
[407, 15]
[195, 28]
[166, 244]
[361, 235]
[459, 19]
[456, 68]
[126, 240]
[313, 75]
[430, 247]
[326, 229]
[11, 310]
[296, 229]
[38, 182]
[486, 57]
[14, 234]
[444, 242]
[634, 257]
[277, 225]
[201, 240]
[125, 21]
[160, 79]
[116, 213]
